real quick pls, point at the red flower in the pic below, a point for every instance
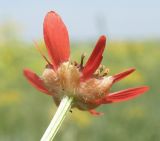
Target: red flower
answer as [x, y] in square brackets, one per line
[88, 84]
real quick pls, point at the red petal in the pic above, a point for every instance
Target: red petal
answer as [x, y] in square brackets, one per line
[122, 75]
[95, 113]
[56, 38]
[125, 94]
[35, 80]
[95, 58]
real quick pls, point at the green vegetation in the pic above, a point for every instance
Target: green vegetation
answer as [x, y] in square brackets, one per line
[25, 113]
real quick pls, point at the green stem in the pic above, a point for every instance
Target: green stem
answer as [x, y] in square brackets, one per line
[58, 118]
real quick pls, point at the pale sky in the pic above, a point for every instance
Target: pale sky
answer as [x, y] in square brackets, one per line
[87, 19]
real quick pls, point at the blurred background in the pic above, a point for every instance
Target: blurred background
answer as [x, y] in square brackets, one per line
[133, 32]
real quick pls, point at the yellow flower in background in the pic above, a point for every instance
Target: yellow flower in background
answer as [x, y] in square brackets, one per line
[9, 98]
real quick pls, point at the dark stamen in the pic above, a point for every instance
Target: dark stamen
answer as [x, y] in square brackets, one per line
[106, 71]
[82, 61]
[101, 68]
[71, 111]
[75, 63]
[49, 66]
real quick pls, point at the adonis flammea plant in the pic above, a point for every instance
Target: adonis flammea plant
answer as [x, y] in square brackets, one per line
[72, 84]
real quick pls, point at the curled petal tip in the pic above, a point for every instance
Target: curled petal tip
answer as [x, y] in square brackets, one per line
[51, 12]
[122, 75]
[103, 38]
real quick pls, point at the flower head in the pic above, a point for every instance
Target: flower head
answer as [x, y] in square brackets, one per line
[88, 84]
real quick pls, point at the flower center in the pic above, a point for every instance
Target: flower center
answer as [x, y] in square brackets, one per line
[65, 80]
[69, 77]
